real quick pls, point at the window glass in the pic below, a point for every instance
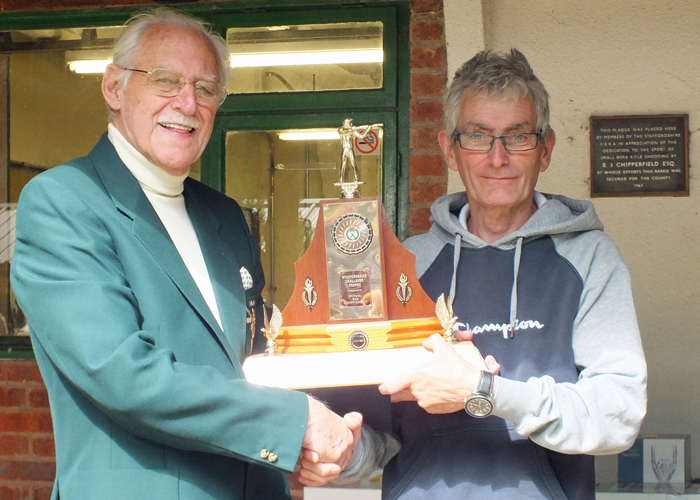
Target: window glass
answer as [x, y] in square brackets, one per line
[278, 178]
[303, 58]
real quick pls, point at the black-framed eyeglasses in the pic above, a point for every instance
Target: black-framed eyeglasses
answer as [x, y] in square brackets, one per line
[476, 141]
[169, 83]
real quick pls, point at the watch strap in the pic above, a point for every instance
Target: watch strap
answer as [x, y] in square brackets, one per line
[485, 384]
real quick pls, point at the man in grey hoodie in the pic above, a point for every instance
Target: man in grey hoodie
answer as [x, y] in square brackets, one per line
[540, 289]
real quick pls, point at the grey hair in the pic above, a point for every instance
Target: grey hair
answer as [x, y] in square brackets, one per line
[502, 76]
[127, 46]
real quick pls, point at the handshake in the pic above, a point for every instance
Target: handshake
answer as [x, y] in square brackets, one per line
[328, 444]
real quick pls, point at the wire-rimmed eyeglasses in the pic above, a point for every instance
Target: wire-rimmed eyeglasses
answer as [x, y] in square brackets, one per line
[169, 83]
[476, 141]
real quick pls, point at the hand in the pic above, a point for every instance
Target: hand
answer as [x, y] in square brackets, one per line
[316, 473]
[328, 438]
[491, 363]
[441, 385]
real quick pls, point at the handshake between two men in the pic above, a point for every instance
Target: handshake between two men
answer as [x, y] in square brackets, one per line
[439, 386]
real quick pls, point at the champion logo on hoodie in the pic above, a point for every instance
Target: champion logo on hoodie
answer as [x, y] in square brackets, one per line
[503, 327]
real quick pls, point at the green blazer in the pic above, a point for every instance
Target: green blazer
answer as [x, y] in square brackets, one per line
[147, 394]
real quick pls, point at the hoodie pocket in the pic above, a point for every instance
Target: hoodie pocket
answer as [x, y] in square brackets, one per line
[488, 463]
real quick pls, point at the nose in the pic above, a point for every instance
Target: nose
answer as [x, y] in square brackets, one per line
[186, 100]
[498, 156]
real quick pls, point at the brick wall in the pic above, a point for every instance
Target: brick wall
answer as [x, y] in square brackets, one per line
[27, 463]
[428, 79]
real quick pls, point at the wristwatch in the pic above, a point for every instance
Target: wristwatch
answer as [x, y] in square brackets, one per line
[480, 403]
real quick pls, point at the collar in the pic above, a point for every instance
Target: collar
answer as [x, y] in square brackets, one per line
[464, 213]
[150, 176]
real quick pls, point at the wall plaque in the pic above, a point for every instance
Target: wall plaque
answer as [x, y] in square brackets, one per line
[643, 155]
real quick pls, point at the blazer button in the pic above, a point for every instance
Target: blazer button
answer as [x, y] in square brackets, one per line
[264, 454]
[273, 457]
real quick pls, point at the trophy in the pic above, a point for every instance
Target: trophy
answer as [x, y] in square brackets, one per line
[358, 314]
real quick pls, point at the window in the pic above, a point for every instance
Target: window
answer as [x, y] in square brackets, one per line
[54, 110]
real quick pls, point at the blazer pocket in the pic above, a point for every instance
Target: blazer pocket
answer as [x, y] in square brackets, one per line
[110, 484]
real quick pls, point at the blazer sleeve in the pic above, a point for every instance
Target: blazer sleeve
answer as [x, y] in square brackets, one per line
[69, 279]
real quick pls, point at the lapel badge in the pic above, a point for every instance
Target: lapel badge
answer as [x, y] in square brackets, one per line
[246, 278]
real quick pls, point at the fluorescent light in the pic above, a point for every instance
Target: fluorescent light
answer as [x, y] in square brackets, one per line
[89, 66]
[309, 135]
[253, 60]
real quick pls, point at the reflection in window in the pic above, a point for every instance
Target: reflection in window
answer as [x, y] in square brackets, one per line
[305, 58]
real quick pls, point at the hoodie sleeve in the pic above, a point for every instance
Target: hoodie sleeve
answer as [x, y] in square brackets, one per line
[602, 412]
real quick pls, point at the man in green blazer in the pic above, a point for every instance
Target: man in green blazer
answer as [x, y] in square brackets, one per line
[136, 281]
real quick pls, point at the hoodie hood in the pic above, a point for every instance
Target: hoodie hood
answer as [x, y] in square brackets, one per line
[558, 215]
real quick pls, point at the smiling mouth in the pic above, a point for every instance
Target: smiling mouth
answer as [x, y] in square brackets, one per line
[177, 126]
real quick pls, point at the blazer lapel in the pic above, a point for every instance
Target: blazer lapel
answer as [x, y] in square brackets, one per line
[224, 272]
[130, 200]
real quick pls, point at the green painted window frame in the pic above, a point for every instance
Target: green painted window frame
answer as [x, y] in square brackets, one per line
[389, 105]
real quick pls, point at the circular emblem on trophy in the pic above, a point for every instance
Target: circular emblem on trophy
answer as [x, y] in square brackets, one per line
[358, 340]
[352, 233]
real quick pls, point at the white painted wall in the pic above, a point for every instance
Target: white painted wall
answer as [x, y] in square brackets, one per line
[602, 57]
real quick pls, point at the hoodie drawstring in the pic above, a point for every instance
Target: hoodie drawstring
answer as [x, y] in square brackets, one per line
[514, 291]
[455, 263]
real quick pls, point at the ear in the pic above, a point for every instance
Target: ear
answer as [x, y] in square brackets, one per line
[546, 155]
[111, 87]
[447, 146]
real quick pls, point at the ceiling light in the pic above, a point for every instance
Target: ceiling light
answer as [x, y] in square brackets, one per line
[253, 60]
[310, 135]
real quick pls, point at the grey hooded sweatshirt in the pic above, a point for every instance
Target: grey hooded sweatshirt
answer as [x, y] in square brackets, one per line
[552, 303]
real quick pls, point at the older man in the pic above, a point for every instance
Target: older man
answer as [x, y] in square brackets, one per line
[136, 282]
[542, 291]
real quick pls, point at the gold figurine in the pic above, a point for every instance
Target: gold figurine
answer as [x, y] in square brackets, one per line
[271, 330]
[443, 310]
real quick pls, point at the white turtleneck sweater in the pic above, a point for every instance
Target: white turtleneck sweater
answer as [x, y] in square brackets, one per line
[164, 191]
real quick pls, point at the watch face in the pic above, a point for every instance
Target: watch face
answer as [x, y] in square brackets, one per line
[479, 407]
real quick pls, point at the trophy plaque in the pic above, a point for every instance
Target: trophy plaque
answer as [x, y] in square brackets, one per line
[356, 300]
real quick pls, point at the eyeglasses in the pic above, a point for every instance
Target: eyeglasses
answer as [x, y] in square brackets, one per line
[524, 141]
[170, 83]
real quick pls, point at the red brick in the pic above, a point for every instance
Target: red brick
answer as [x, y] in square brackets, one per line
[19, 371]
[42, 492]
[427, 111]
[13, 445]
[25, 422]
[421, 32]
[38, 398]
[427, 191]
[12, 397]
[424, 137]
[43, 447]
[421, 165]
[426, 6]
[15, 493]
[419, 219]
[422, 57]
[427, 85]
[27, 471]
